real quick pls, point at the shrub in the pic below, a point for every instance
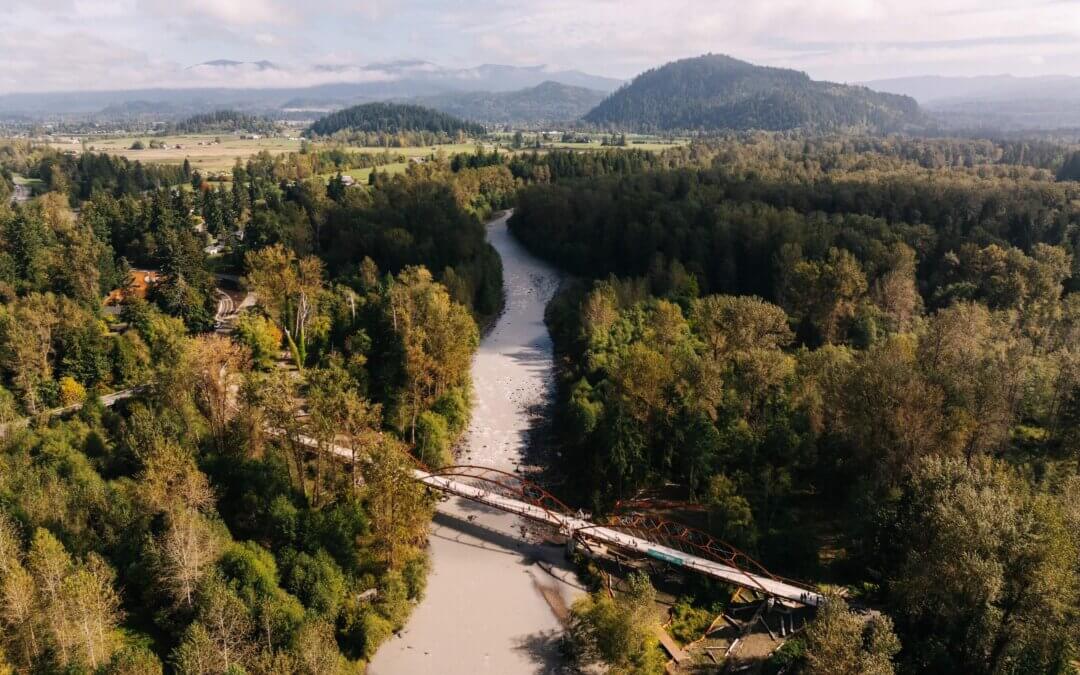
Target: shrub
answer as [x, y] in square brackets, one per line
[376, 630]
[261, 336]
[71, 392]
[318, 582]
[689, 623]
[454, 407]
[433, 440]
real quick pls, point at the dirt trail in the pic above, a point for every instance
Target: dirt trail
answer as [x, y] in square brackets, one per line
[491, 592]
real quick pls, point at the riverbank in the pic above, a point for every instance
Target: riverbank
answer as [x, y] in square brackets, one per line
[496, 596]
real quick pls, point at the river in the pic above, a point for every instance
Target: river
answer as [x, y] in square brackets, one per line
[494, 594]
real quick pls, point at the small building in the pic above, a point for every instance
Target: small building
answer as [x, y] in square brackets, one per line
[139, 284]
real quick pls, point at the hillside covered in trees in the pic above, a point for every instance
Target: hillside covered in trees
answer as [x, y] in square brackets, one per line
[392, 118]
[546, 102]
[715, 92]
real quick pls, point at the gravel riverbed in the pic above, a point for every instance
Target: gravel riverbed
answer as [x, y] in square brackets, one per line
[495, 593]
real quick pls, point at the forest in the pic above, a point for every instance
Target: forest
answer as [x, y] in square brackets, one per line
[205, 525]
[865, 370]
[546, 103]
[391, 119]
[224, 120]
[853, 357]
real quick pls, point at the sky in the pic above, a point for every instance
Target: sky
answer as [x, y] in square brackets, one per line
[50, 45]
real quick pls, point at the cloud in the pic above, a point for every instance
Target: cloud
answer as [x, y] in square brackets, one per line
[32, 61]
[226, 13]
[49, 44]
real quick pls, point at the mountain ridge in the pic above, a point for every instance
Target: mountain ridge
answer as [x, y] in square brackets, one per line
[716, 91]
[548, 101]
[997, 102]
[347, 85]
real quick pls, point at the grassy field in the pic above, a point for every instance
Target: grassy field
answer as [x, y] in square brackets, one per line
[207, 157]
[211, 153]
[362, 175]
[653, 146]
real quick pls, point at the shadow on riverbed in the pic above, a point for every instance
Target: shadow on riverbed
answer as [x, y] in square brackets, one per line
[544, 649]
[487, 535]
[535, 355]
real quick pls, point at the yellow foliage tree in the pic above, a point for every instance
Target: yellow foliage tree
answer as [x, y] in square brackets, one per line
[71, 391]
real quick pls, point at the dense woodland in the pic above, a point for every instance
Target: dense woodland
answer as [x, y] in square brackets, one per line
[857, 357]
[193, 528]
[716, 92]
[867, 371]
[393, 119]
[224, 121]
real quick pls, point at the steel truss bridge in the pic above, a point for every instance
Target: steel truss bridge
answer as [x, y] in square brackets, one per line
[630, 534]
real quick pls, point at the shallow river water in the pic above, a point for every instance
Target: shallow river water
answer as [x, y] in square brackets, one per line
[494, 592]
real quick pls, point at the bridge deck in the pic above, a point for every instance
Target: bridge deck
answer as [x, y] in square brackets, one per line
[611, 537]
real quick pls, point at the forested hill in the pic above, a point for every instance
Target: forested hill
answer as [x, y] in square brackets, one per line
[546, 102]
[718, 92]
[224, 120]
[391, 118]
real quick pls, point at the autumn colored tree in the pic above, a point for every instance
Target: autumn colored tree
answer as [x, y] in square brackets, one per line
[288, 288]
[219, 362]
[438, 339]
[827, 293]
[398, 505]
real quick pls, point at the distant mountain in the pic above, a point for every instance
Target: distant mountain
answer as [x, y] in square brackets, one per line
[999, 101]
[340, 85]
[139, 108]
[508, 78]
[936, 89]
[546, 102]
[714, 92]
[391, 118]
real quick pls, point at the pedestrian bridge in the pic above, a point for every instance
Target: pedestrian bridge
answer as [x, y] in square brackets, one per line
[637, 535]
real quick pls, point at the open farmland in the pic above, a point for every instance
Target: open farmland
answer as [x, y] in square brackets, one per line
[209, 156]
[362, 175]
[212, 153]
